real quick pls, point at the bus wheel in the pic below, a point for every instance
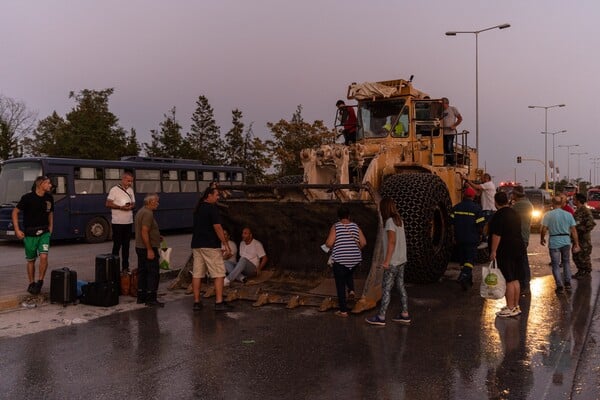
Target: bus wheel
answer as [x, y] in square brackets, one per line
[96, 230]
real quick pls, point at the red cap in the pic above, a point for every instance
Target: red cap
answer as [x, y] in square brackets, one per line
[469, 192]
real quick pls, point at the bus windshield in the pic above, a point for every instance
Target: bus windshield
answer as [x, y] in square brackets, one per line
[380, 119]
[17, 179]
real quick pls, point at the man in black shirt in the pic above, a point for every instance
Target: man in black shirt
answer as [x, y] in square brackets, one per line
[207, 241]
[38, 209]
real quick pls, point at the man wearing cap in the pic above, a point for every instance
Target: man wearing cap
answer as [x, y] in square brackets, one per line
[468, 220]
[524, 208]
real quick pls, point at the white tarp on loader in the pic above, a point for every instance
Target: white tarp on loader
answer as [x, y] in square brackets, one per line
[369, 90]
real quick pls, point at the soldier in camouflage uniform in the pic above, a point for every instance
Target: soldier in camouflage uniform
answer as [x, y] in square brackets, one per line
[585, 224]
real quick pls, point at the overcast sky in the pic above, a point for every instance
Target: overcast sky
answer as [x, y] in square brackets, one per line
[265, 57]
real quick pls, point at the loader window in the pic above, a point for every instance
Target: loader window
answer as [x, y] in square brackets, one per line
[382, 118]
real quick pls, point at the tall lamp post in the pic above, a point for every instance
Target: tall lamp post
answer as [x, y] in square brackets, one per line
[595, 162]
[553, 159]
[568, 146]
[476, 33]
[579, 163]
[546, 138]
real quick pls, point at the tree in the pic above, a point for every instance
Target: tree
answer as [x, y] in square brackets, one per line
[256, 158]
[204, 139]
[47, 136]
[16, 123]
[88, 131]
[289, 137]
[132, 146]
[234, 140]
[168, 142]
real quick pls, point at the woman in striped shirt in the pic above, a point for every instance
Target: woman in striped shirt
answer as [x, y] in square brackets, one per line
[346, 240]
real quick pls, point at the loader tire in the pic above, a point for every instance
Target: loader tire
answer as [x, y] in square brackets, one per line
[424, 203]
[289, 180]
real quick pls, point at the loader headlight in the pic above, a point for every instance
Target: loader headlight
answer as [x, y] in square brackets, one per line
[535, 214]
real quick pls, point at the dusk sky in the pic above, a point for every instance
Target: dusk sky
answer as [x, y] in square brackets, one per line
[265, 57]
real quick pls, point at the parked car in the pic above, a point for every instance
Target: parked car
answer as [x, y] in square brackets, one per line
[593, 201]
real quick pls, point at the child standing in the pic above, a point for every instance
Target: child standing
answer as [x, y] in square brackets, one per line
[394, 243]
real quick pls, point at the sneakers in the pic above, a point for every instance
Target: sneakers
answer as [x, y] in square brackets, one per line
[197, 306]
[375, 320]
[559, 289]
[37, 287]
[226, 282]
[506, 312]
[223, 306]
[401, 319]
[31, 288]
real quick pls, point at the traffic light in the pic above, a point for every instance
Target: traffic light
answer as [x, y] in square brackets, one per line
[519, 159]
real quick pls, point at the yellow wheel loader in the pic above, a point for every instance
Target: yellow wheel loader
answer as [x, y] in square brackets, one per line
[399, 153]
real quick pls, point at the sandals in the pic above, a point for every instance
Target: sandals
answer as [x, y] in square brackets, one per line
[342, 314]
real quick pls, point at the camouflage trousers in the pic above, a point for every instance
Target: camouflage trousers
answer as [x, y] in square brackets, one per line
[583, 259]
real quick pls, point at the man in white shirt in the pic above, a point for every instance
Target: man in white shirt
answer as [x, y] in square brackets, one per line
[121, 201]
[451, 118]
[252, 258]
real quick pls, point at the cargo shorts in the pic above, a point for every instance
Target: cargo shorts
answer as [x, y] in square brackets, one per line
[211, 260]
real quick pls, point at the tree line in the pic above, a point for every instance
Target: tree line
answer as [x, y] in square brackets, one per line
[91, 131]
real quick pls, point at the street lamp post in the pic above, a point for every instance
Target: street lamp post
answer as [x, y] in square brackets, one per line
[476, 33]
[595, 161]
[568, 146]
[579, 163]
[546, 138]
[553, 159]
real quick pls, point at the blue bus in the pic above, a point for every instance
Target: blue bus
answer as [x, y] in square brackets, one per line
[80, 188]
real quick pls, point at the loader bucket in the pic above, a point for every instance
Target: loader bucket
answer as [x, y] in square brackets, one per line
[292, 222]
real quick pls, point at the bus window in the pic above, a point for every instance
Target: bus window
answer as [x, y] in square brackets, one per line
[222, 177]
[208, 176]
[170, 181]
[88, 180]
[112, 177]
[59, 185]
[147, 181]
[239, 177]
[188, 181]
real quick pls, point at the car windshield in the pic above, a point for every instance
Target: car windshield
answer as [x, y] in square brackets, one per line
[594, 196]
[16, 179]
[381, 118]
[535, 198]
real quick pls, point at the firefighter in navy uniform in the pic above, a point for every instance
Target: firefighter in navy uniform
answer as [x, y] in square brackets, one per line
[467, 217]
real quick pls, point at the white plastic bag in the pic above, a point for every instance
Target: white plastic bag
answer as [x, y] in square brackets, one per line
[164, 253]
[493, 284]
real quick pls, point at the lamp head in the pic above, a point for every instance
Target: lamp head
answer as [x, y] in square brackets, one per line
[450, 33]
[504, 26]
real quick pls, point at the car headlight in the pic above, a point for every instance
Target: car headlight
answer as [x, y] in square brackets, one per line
[536, 214]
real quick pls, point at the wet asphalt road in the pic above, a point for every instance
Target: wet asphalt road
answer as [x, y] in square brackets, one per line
[454, 349]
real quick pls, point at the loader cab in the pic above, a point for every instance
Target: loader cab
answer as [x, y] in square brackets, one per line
[380, 119]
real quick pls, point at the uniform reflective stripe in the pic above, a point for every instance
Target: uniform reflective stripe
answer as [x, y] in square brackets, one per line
[478, 220]
[470, 214]
[468, 265]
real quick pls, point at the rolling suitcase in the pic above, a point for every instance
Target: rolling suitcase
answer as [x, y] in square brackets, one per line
[63, 286]
[108, 269]
[102, 294]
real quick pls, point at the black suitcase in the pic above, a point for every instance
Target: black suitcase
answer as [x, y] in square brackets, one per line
[102, 294]
[108, 269]
[63, 286]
